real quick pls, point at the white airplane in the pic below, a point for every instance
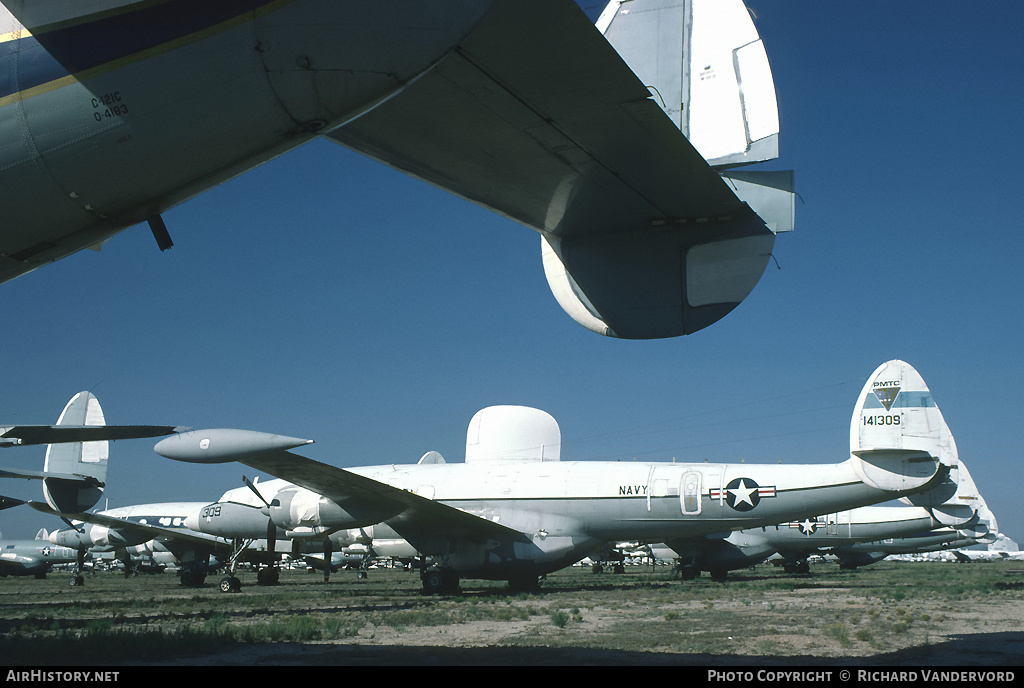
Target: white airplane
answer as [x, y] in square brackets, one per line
[895, 408]
[75, 468]
[513, 511]
[612, 147]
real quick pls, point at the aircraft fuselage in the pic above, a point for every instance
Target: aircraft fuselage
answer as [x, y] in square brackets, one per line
[564, 510]
[113, 111]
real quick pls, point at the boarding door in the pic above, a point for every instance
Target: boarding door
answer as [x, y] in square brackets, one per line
[695, 484]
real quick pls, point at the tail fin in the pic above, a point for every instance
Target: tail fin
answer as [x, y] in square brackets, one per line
[706, 65]
[897, 429]
[85, 460]
[966, 510]
[895, 410]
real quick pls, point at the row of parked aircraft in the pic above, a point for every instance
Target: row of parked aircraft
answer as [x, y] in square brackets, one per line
[514, 511]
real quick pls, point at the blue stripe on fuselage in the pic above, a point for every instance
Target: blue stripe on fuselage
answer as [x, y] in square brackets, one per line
[70, 48]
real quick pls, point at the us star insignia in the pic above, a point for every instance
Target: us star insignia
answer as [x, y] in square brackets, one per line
[742, 494]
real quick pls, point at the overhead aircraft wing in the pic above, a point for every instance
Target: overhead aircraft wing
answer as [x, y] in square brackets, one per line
[130, 526]
[413, 517]
[537, 117]
[20, 435]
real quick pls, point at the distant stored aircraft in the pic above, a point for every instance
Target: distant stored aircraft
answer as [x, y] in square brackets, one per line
[611, 146]
[32, 557]
[120, 529]
[75, 469]
[894, 409]
[513, 511]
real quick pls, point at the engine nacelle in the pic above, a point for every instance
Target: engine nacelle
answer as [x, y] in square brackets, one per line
[297, 508]
[229, 520]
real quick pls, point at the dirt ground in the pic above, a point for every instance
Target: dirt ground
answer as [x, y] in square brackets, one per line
[768, 627]
[891, 614]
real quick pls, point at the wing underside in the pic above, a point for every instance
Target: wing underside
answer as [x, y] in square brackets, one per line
[538, 118]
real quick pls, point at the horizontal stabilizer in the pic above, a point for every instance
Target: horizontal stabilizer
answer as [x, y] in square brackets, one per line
[10, 502]
[536, 117]
[22, 435]
[897, 470]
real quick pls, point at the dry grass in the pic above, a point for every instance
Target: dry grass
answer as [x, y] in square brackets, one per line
[884, 613]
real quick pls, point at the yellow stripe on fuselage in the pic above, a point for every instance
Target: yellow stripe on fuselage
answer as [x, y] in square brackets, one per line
[137, 57]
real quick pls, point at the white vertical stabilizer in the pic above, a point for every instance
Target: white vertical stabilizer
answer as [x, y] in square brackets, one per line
[85, 460]
[707, 67]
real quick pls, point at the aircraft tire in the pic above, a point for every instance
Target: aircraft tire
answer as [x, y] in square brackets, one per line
[440, 582]
[803, 567]
[689, 572]
[719, 575]
[76, 581]
[230, 584]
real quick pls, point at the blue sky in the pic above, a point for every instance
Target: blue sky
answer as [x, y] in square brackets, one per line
[328, 297]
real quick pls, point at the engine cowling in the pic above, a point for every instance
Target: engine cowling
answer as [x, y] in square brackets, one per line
[297, 508]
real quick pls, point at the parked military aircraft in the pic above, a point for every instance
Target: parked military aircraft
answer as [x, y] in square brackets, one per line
[895, 408]
[32, 557]
[521, 106]
[75, 467]
[514, 511]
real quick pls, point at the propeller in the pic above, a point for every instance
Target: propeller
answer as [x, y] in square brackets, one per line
[271, 528]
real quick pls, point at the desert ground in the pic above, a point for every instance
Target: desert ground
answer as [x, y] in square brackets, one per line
[890, 614]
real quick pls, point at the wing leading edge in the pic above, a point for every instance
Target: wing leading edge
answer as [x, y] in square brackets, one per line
[413, 517]
[536, 117]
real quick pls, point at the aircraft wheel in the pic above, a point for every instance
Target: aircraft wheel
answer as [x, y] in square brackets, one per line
[76, 581]
[803, 567]
[230, 584]
[597, 568]
[619, 568]
[440, 582]
[719, 575]
[361, 574]
[789, 567]
[689, 572]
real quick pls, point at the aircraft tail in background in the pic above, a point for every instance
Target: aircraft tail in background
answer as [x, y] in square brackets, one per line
[85, 462]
